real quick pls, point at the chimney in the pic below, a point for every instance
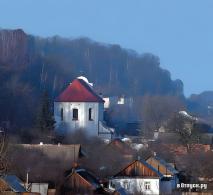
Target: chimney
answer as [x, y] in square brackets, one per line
[27, 182]
[74, 165]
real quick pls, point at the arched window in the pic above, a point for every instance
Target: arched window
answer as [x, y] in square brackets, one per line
[90, 114]
[62, 114]
[75, 114]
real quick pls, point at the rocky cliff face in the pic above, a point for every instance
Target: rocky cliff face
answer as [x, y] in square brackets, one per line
[13, 47]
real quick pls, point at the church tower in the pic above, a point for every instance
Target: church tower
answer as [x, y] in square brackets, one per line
[79, 107]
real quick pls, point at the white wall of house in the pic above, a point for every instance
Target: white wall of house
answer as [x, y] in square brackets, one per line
[132, 185]
[68, 124]
[41, 188]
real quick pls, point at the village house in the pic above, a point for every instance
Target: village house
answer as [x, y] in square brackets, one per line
[45, 164]
[79, 107]
[139, 177]
[170, 180]
[12, 185]
[80, 181]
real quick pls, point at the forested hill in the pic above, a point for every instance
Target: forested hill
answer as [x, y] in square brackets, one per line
[202, 105]
[29, 64]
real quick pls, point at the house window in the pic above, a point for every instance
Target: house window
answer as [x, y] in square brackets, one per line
[147, 185]
[112, 184]
[126, 184]
[90, 114]
[62, 114]
[75, 114]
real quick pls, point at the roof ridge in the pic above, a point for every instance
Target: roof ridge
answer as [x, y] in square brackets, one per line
[166, 164]
[145, 163]
[151, 167]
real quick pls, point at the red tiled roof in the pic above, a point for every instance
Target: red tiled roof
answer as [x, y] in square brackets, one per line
[181, 150]
[78, 91]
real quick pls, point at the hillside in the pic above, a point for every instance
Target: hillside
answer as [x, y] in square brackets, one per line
[30, 64]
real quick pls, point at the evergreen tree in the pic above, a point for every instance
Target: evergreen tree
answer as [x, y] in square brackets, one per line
[45, 119]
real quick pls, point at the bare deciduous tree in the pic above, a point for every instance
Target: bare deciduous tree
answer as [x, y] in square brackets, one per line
[188, 131]
[155, 110]
[197, 165]
[3, 152]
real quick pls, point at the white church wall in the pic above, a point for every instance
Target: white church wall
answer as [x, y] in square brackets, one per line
[69, 125]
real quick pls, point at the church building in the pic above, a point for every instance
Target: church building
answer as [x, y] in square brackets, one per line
[79, 107]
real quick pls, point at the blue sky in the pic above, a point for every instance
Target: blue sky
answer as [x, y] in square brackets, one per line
[180, 32]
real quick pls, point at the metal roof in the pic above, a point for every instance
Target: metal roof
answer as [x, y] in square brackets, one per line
[166, 165]
[144, 163]
[151, 167]
[89, 177]
[14, 183]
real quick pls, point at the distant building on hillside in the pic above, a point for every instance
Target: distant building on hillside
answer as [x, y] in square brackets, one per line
[79, 107]
[115, 100]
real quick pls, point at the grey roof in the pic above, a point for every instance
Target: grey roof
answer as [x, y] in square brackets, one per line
[14, 182]
[71, 152]
[88, 177]
[167, 165]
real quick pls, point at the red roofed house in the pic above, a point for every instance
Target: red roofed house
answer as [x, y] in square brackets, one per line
[79, 107]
